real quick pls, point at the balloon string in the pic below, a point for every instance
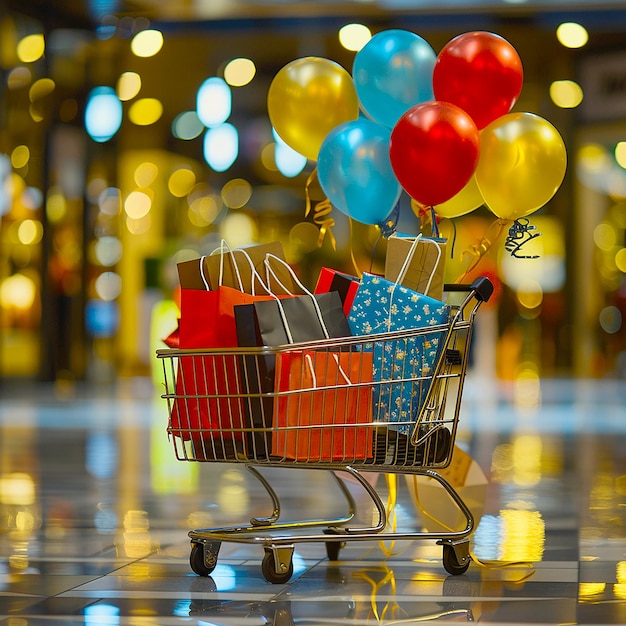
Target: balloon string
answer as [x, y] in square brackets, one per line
[427, 217]
[478, 250]
[359, 273]
[321, 214]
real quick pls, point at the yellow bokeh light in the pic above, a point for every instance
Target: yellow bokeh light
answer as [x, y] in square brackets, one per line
[572, 35]
[128, 86]
[31, 48]
[354, 36]
[147, 43]
[17, 489]
[239, 72]
[146, 174]
[181, 182]
[594, 157]
[56, 206]
[30, 232]
[145, 111]
[620, 154]
[108, 286]
[41, 88]
[566, 94]
[620, 260]
[203, 211]
[137, 204]
[605, 236]
[20, 156]
[138, 226]
[236, 193]
[17, 291]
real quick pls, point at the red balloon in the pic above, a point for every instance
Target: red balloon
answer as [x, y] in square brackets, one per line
[434, 151]
[481, 73]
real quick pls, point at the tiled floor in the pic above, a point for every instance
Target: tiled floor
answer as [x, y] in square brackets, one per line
[95, 510]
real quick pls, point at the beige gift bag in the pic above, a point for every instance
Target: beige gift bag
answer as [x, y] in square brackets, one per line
[236, 267]
[425, 270]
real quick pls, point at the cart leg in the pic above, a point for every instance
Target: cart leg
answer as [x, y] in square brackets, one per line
[277, 564]
[265, 521]
[203, 557]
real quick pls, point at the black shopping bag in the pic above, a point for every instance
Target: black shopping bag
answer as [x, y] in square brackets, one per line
[280, 322]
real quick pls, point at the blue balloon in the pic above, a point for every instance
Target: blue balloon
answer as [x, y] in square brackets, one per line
[393, 72]
[355, 173]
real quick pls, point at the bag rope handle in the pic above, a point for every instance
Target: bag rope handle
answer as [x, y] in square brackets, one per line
[283, 316]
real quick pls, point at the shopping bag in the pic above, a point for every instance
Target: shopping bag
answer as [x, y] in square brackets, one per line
[332, 280]
[240, 268]
[424, 271]
[279, 321]
[436, 510]
[381, 306]
[199, 413]
[327, 418]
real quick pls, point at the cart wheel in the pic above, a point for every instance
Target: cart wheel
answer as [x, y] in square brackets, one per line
[268, 567]
[333, 548]
[196, 560]
[451, 563]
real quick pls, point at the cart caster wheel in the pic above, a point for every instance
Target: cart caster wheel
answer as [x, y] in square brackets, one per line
[196, 560]
[451, 563]
[333, 548]
[268, 567]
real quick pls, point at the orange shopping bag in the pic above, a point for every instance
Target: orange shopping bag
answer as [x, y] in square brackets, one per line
[328, 415]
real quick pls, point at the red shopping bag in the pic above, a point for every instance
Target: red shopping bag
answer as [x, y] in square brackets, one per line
[332, 280]
[327, 418]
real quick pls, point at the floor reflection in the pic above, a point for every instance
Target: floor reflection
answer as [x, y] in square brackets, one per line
[95, 510]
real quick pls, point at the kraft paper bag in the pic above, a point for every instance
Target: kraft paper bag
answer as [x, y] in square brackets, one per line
[237, 270]
[425, 270]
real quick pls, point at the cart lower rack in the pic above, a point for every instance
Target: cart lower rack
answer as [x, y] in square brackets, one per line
[378, 403]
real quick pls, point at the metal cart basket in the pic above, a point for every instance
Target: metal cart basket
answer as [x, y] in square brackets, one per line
[332, 405]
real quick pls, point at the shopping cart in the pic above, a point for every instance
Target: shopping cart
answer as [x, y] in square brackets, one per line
[321, 405]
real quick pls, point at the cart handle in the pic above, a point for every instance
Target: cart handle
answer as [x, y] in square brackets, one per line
[482, 288]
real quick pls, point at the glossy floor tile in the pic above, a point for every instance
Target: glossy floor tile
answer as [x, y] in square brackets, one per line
[95, 511]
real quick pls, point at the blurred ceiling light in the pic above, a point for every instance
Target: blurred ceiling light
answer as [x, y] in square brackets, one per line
[354, 36]
[181, 181]
[103, 114]
[213, 102]
[128, 85]
[145, 111]
[239, 72]
[221, 146]
[566, 94]
[572, 35]
[31, 48]
[147, 43]
[187, 126]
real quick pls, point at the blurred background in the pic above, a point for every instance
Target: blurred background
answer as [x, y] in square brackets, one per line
[110, 173]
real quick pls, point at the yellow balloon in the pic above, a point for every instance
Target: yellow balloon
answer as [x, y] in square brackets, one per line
[521, 166]
[307, 99]
[466, 201]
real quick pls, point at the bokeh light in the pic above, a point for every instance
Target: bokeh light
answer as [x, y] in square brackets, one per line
[31, 48]
[566, 94]
[572, 35]
[239, 72]
[128, 85]
[145, 111]
[354, 36]
[221, 147]
[213, 102]
[187, 126]
[147, 43]
[103, 114]
[181, 182]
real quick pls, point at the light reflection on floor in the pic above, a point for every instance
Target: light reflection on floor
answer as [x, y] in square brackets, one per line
[95, 510]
